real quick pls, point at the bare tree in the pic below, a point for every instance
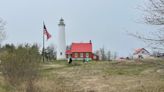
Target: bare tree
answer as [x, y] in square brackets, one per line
[154, 15]
[2, 33]
[103, 54]
[155, 12]
[109, 55]
[115, 56]
[68, 47]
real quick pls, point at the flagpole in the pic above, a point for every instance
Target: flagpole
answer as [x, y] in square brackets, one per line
[43, 43]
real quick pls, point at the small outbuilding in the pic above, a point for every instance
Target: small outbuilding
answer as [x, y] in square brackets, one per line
[141, 53]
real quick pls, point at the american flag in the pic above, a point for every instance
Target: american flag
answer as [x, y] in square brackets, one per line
[46, 32]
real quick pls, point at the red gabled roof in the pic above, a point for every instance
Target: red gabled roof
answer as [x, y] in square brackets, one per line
[81, 47]
[68, 52]
[138, 50]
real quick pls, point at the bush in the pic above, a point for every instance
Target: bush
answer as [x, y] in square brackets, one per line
[20, 66]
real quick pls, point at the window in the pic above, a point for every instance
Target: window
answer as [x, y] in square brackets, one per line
[76, 54]
[143, 52]
[81, 55]
[87, 55]
[60, 53]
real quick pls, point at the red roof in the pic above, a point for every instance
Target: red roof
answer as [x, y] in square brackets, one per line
[81, 47]
[68, 52]
[138, 50]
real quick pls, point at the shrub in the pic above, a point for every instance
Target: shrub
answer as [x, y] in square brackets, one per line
[20, 66]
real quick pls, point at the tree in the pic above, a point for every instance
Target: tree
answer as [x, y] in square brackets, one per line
[50, 52]
[109, 55]
[2, 33]
[155, 11]
[68, 47]
[154, 15]
[115, 56]
[103, 54]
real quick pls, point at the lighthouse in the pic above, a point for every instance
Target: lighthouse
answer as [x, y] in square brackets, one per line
[61, 47]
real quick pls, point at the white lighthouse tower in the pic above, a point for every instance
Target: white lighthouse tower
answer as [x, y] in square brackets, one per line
[61, 47]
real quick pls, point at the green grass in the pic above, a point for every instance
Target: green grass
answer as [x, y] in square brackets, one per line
[59, 76]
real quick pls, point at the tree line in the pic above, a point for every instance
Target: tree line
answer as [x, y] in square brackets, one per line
[106, 55]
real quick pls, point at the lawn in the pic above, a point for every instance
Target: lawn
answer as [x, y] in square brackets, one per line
[99, 76]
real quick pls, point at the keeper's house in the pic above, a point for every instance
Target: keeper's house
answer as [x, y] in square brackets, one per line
[80, 51]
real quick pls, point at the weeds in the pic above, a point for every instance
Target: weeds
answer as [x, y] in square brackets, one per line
[20, 66]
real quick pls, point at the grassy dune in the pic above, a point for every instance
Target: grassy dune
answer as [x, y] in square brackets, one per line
[58, 76]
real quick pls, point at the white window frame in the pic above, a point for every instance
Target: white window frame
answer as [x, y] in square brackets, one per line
[81, 55]
[76, 54]
[87, 55]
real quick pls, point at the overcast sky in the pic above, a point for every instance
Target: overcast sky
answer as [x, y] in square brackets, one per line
[105, 22]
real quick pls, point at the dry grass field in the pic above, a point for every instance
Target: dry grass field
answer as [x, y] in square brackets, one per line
[104, 76]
